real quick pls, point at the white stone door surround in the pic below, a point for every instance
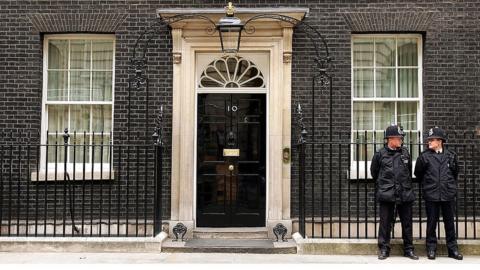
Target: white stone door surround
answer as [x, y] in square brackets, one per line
[190, 38]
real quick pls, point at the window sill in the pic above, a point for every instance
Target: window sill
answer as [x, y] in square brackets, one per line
[105, 175]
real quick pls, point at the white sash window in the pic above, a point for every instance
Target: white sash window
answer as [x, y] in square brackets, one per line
[386, 89]
[78, 95]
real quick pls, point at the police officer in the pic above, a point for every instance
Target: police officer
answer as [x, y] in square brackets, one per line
[437, 170]
[391, 170]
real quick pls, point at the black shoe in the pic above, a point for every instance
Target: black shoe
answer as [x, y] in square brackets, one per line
[410, 254]
[431, 254]
[454, 254]
[383, 254]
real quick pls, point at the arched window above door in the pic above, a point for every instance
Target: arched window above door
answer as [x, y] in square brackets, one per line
[232, 72]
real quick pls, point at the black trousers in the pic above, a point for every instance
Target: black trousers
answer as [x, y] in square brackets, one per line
[387, 212]
[448, 213]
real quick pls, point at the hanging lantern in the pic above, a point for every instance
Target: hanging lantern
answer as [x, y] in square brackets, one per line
[230, 31]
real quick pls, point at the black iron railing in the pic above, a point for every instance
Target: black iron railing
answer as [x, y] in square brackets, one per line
[80, 185]
[337, 194]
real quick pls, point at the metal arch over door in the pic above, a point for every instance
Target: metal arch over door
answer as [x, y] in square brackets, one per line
[231, 159]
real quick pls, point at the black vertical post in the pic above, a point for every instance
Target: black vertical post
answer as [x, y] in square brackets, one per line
[137, 185]
[158, 189]
[157, 137]
[45, 212]
[331, 106]
[28, 179]
[101, 186]
[340, 185]
[474, 186]
[19, 179]
[1, 188]
[110, 166]
[37, 186]
[301, 180]
[72, 189]
[312, 164]
[55, 186]
[301, 189]
[322, 193]
[65, 155]
[419, 141]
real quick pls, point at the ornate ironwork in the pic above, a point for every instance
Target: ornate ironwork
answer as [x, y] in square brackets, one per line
[280, 230]
[321, 61]
[303, 131]
[309, 30]
[139, 61]
[157, 133]
[179, 229]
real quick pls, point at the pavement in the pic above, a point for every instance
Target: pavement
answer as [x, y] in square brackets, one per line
[224, 258]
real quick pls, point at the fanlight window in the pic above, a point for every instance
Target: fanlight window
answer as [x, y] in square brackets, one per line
[232, 72]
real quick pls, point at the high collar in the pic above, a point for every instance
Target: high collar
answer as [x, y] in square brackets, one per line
[393, 150]
[440, 151]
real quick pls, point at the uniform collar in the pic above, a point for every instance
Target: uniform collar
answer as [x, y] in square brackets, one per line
[392, 150]
[439, 151]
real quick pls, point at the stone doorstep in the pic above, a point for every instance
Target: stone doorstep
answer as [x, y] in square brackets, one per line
[83, 244]
[258, 246]
[369, 246]
[230, 233]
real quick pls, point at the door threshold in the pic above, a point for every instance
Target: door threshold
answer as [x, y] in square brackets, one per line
[230, 229]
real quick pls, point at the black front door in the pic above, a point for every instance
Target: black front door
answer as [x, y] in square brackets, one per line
[231, 155]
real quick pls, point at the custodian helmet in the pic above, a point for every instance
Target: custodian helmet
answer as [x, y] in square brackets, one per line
[394, 131]
[437, 133]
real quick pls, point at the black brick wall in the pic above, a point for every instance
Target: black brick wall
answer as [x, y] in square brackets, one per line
[451, 56]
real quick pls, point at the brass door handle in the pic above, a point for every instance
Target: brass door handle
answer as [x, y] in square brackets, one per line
[231, 167]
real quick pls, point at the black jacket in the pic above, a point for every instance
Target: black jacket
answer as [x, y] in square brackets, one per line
[391, 170]
[438, 174]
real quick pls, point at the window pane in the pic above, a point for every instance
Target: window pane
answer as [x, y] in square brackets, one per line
[385, 82]
[79, 145]
[102, 85]
[408, 82]
[363, 115]
[411, 142]
[102, 149]
[80, 54]
[384, 114]
[57, 85]
[407, 115]
[407, 52]
[379, 139]
[80, 85]
[363, 52]
[57, 118]
[58, 54]
[363, 82]
[102, 54]
[80, 118]
[55, 146]
[102, 118]
[385, 52]
[363, 146]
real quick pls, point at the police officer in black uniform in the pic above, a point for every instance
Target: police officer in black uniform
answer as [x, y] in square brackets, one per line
[437, 169]
[391, 170]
